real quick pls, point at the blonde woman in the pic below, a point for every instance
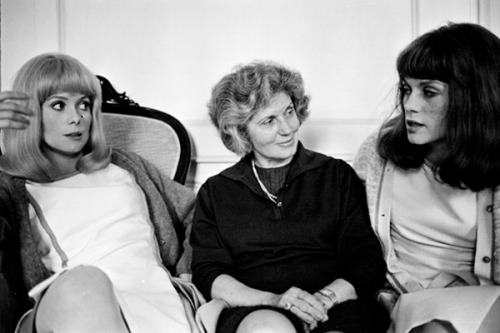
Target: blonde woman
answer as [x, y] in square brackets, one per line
[87, 235]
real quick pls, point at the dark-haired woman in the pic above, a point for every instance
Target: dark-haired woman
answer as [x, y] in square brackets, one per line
[432, 176]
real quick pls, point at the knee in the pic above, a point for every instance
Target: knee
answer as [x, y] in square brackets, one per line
[80, 283]
[80, 297]
[435, 326]
[266, 321]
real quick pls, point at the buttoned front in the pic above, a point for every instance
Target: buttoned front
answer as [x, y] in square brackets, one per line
[378, 175]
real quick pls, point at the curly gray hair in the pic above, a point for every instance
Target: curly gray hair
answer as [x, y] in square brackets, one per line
[238, 96]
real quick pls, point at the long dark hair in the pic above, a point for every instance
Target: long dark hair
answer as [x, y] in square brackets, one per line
[467, 57]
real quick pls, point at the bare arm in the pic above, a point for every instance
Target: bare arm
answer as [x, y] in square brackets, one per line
[336, 292]
[299, 302]
[235, 293]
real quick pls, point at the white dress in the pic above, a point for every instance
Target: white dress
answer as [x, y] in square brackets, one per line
[433, 230]
[102, 219]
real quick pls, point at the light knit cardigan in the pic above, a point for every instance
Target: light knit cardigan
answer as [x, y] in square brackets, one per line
[377, 174]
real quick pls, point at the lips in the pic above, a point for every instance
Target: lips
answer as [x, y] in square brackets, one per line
[286, 143]
[74, 135]
[413, 123]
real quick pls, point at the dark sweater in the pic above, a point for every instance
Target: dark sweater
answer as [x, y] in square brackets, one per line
[319, 230]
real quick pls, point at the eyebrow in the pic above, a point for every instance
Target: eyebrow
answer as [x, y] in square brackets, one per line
[57, 97]
[436, 84]
[66, 98]
[423, 82]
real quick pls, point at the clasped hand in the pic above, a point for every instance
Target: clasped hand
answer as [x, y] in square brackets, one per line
[311, 309]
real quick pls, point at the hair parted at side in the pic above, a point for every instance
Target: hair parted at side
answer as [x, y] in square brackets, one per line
[238, 96]
[467, 57]
[40, 78]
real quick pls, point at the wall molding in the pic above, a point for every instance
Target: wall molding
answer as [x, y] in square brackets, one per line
[484, 13]
[61, 25]
[415, 18]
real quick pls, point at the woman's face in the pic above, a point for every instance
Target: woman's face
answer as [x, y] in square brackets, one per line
[66, 120]
[273, 132]
[425, 104]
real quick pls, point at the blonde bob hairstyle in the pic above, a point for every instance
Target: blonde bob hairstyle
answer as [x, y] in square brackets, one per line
[238, 96]
[40, 78]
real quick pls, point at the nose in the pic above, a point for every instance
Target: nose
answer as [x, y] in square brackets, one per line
[75, 116]
[412, 102]
[286, 127]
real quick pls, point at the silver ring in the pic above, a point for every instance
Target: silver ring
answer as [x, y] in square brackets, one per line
[288, 306]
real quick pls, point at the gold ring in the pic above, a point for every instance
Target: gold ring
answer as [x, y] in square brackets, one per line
[288, 306]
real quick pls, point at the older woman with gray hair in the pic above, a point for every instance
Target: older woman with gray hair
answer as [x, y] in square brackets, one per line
[283, 236]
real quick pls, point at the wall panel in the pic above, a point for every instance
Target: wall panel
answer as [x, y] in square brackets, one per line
[167, 54]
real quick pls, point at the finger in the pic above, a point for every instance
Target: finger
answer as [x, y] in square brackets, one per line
[12, 102]
[323, 300]
[318, 315]
[13, 114]
[20, 123]
[312, 301]
[186, 277]
[289, 297]
[13, 95]
[302, 315]
[302, 299]
[313, 326]
[308, 303]
[14, 106]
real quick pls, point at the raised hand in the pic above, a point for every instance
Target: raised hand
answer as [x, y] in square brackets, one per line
[14, 112]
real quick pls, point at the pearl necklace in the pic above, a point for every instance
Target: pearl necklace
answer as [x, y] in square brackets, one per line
[271, 197]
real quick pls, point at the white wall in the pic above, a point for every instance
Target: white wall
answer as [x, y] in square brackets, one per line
[167, 54]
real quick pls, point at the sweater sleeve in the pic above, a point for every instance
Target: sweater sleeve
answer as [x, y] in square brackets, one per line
[210, 256]
[13, 295]
[180, 201]
[365, 156]
[359, 249]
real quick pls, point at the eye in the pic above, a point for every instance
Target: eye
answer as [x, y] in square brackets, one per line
[268, 121]
[58, 105]
[404, 89]
[289, 112]
[84, 105]
[430, 92]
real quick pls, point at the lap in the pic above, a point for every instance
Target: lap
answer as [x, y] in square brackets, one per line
[230, 318]
[359, 316]
[356, 316]
[464, 307]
